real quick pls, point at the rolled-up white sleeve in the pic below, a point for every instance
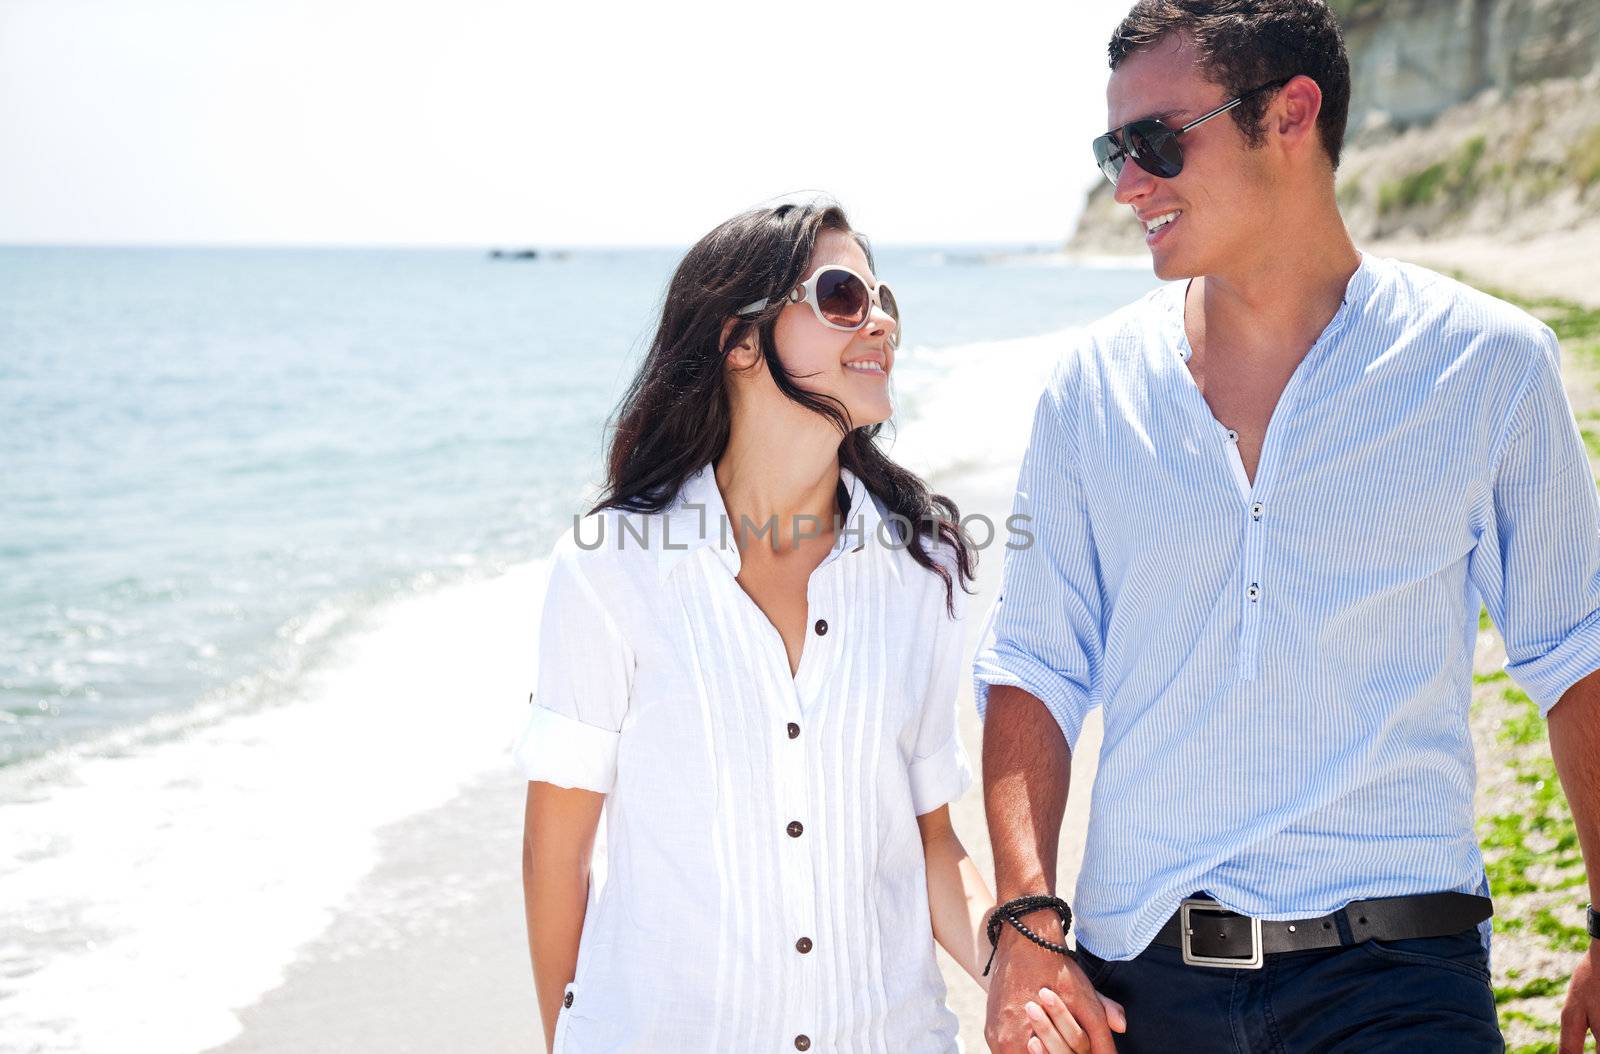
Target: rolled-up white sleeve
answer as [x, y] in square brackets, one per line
[1043, 633]
[940, 769]
[1537, 565]
[582, 682]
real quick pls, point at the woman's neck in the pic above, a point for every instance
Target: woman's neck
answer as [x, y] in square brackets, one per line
[779, 490]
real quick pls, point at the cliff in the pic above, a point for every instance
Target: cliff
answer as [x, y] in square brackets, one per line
[1411, 60]
[1466, 117]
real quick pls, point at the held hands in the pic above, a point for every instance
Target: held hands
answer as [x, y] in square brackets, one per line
[1581, 1015]
[1041, 1002]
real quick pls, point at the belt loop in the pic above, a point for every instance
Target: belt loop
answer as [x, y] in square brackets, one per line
[1341, 919]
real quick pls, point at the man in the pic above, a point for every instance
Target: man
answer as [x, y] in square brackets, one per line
[1279, 622]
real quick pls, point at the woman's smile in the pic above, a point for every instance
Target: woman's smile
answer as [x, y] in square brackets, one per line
[870, 365]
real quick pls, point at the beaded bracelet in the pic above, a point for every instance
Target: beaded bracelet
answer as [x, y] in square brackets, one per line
[1013, 910]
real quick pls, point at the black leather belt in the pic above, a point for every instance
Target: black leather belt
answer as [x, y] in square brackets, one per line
[1211, 935]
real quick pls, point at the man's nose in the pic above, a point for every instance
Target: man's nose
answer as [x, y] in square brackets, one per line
[1132, 183]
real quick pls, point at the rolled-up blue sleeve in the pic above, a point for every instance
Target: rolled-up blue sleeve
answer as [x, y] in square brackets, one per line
[1537, 565]
[582, 683]
[1044, 631]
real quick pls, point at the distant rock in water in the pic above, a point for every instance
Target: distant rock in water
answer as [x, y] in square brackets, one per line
[513, 254]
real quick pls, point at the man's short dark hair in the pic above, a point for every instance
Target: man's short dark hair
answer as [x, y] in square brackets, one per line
[1247, 43]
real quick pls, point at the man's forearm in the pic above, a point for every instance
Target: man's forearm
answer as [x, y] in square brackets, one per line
[1575, 745]
[1026, 770]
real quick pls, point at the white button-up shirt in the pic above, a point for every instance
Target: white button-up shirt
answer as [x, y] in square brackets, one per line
[765, 885]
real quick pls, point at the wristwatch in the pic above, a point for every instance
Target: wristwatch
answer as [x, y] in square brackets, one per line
[1594, 923]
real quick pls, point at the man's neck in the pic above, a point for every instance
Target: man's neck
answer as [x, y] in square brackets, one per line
[1280, 298]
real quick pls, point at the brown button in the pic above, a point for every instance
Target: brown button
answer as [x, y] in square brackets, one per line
[803, 945]
[802, 1043]
[568, 1000]
[794, 730]
[795, 828]
[821, 627]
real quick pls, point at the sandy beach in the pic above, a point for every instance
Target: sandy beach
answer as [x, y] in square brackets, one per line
[1560, 264]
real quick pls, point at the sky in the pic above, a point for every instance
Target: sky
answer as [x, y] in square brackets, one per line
[479, 122]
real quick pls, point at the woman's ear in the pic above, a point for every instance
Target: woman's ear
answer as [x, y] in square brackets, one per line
[747, 352]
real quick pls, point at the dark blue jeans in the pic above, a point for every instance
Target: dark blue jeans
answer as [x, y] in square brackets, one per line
[1428, 995]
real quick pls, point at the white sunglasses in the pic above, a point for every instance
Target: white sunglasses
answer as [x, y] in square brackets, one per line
[840, 298]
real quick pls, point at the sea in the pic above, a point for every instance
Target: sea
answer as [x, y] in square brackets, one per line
[272, 526]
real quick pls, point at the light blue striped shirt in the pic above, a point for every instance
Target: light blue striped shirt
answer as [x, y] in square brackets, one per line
[1286, 667]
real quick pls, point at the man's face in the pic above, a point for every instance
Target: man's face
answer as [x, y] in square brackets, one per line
[1223, 197]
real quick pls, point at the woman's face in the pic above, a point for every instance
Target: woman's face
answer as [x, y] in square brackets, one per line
[852, 367]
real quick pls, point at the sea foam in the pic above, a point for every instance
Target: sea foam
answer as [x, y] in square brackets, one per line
[148, 895]
[970, 408]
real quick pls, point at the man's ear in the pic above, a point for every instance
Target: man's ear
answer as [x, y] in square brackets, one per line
[1298, 104]
[747, 352]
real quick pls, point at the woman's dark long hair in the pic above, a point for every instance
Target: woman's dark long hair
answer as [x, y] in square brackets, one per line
[676, 415]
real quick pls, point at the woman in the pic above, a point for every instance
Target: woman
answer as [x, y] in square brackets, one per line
[749, 652]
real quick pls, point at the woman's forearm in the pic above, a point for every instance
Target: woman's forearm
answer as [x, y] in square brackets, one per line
[557, 843]
[959, 900]
[555, 903]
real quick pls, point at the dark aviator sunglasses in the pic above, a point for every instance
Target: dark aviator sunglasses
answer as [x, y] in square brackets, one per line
[1152, 145]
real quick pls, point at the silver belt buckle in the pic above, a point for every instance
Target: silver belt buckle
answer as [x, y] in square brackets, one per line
[1256, 960]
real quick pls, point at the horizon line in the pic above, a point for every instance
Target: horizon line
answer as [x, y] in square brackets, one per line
[1039, 244]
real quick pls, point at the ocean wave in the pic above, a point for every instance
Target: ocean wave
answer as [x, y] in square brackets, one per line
[969, 408]
[146, 894]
